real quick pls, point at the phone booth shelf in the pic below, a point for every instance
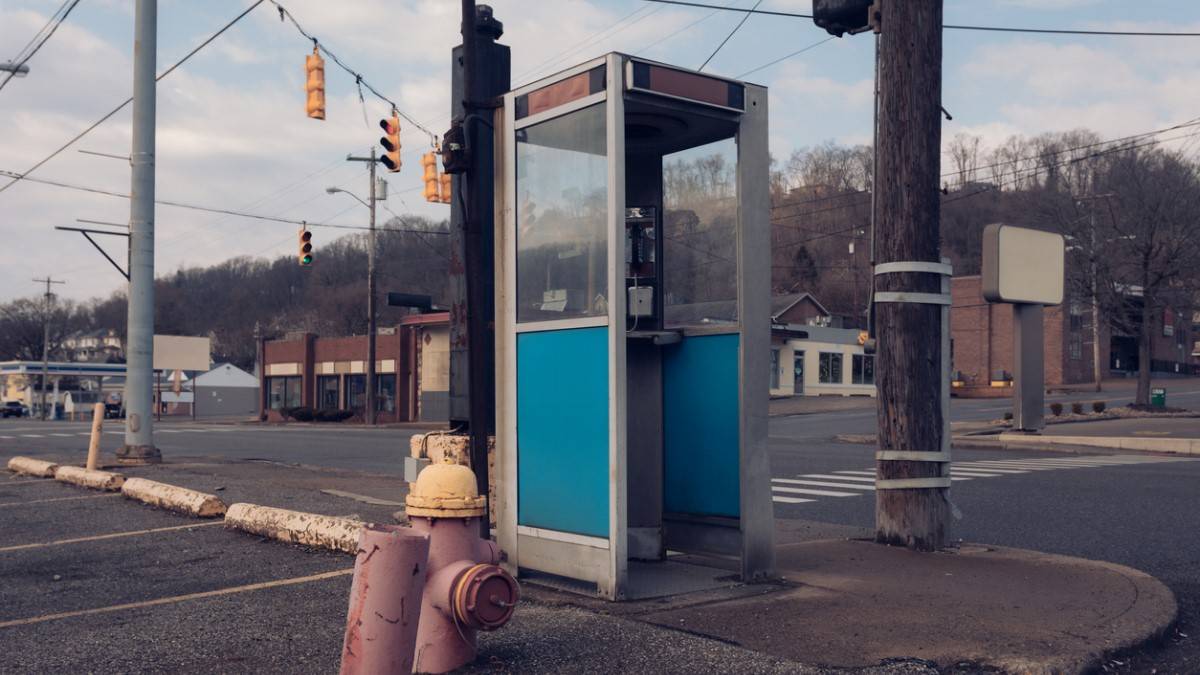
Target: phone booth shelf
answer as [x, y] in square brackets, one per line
[633, 328]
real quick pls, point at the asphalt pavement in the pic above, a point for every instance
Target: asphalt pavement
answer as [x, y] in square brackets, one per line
[1138, 510]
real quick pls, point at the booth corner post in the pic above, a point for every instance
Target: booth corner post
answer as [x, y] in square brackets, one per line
[481, 71]
[139, 426]
[912, 465]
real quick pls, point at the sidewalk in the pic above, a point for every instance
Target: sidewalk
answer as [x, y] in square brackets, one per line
[1178, 435]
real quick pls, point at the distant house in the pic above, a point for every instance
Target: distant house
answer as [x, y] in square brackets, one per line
[224, 391]
[799, 308]
[95, 346]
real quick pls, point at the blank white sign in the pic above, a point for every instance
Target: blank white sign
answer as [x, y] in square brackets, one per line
[1023, 266]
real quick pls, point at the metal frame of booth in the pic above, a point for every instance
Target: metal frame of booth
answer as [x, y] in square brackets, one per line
[568, 353]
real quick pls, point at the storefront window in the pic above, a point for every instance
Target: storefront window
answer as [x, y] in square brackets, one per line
[385, 393]
[284, 392]
[356, 392]
[562, 223]
[775, 368]
[829, 368]
[328, 392]
[864, 369]
[700, 235]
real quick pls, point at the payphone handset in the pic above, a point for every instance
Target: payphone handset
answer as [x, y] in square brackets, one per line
[641, 256]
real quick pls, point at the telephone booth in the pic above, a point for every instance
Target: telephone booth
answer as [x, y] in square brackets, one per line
[632, 328]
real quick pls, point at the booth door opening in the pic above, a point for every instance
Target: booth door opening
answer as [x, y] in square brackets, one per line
[798, 373]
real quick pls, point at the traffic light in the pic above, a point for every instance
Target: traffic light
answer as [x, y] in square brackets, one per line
[391, 143]
[314, 65]
[304, 252]
[429, 164]
[838, 17]
[445, 181]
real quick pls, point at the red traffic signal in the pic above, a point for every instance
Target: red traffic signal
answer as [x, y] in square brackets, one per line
[391, 143]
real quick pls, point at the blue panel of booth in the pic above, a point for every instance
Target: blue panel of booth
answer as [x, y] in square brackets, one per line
[562, 430]
[700, 425]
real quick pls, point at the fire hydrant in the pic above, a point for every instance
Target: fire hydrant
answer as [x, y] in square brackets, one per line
[466, 590]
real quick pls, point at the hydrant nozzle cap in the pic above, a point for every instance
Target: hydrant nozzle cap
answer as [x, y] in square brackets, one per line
[445, 490]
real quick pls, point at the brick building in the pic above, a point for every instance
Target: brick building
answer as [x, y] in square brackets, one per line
[412, 372]
[982, 343]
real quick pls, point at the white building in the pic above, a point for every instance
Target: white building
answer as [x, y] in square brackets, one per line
[820, 361]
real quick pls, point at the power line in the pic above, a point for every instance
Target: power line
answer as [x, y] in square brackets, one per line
[591, 39]
[228, 212]
[735, 29]
[114, 111]
[358, 78]
[21, 54]
[1000, 29]
[785, 57]
[56, 23]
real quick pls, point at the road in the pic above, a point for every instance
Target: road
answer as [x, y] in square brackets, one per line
[1137, 510]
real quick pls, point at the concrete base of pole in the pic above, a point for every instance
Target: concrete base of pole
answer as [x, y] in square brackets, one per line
[385, 600]
[137, 455]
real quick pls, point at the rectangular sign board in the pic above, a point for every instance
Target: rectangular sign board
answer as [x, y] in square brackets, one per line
[179, 352]
[1023, 266]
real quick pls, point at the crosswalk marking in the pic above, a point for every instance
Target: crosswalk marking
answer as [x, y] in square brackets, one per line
[831, 476]
[824, 483]
[818, 493]
[791, 500]
[859, 482]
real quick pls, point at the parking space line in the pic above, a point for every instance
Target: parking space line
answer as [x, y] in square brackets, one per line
[177, 598]
[102, 537]
[61, 499]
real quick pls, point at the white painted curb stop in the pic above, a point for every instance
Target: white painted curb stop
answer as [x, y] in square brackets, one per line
[89, 478]
[32, 467]
[1179, 446]
[174, 498]
[296, 527]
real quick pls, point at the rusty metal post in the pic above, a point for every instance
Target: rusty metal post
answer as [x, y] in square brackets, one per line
[93, 456]
[385, 601]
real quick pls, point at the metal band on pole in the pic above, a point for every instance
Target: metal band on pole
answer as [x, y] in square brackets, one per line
[911, 456]
[913, 483]
[913, 298]
[914, 266]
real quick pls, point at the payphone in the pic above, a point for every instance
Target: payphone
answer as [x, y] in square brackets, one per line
[633, 327]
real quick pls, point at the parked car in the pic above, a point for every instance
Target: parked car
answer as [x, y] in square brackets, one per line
[14, 409]
[114, 406]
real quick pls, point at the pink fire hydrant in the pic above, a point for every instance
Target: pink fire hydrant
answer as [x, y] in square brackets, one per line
[466, 590]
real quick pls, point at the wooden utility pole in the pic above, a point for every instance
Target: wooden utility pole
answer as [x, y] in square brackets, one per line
[49, 297]
[911, 507]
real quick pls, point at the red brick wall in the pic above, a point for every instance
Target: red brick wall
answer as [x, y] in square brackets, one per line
[983, 338]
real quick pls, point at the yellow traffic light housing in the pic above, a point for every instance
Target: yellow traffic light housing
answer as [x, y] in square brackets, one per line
[304, 254]
[314, 65]
[445, 181]
[429, 165]
[391, 143]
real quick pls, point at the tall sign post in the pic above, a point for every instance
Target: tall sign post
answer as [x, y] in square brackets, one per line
[1025, 268]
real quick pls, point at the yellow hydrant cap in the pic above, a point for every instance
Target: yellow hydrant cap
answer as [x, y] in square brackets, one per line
[445, 490]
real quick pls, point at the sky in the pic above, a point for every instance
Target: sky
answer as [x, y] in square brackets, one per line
[232, 132]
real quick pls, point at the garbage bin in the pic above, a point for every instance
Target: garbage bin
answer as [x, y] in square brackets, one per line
[1158, 397]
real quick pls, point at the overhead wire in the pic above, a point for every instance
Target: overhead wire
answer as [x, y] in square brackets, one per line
[731, 34]
[114, 111]
[1000, 29]
[55, 23]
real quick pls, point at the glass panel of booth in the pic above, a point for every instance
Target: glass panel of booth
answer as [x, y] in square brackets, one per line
[700, 236]
[562, 217]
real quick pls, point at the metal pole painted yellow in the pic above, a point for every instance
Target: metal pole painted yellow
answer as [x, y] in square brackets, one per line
[94, 444]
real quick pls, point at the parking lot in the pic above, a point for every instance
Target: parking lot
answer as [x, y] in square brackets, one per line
[96, 582]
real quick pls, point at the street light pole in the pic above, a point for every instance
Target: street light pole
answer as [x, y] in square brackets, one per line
[371, 297]
[46, 338]
[139, 424]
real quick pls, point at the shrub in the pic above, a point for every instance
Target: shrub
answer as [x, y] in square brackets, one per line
[1098, 406]
[1077, 408]
[286, 413]
[302, 414]
[333, 415]
[1008, 415]
[1056, 409]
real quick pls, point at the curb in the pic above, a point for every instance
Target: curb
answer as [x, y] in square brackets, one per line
[32, 467]
[173, 498]
[89, 478]
[1179, 446]
[296, 527]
